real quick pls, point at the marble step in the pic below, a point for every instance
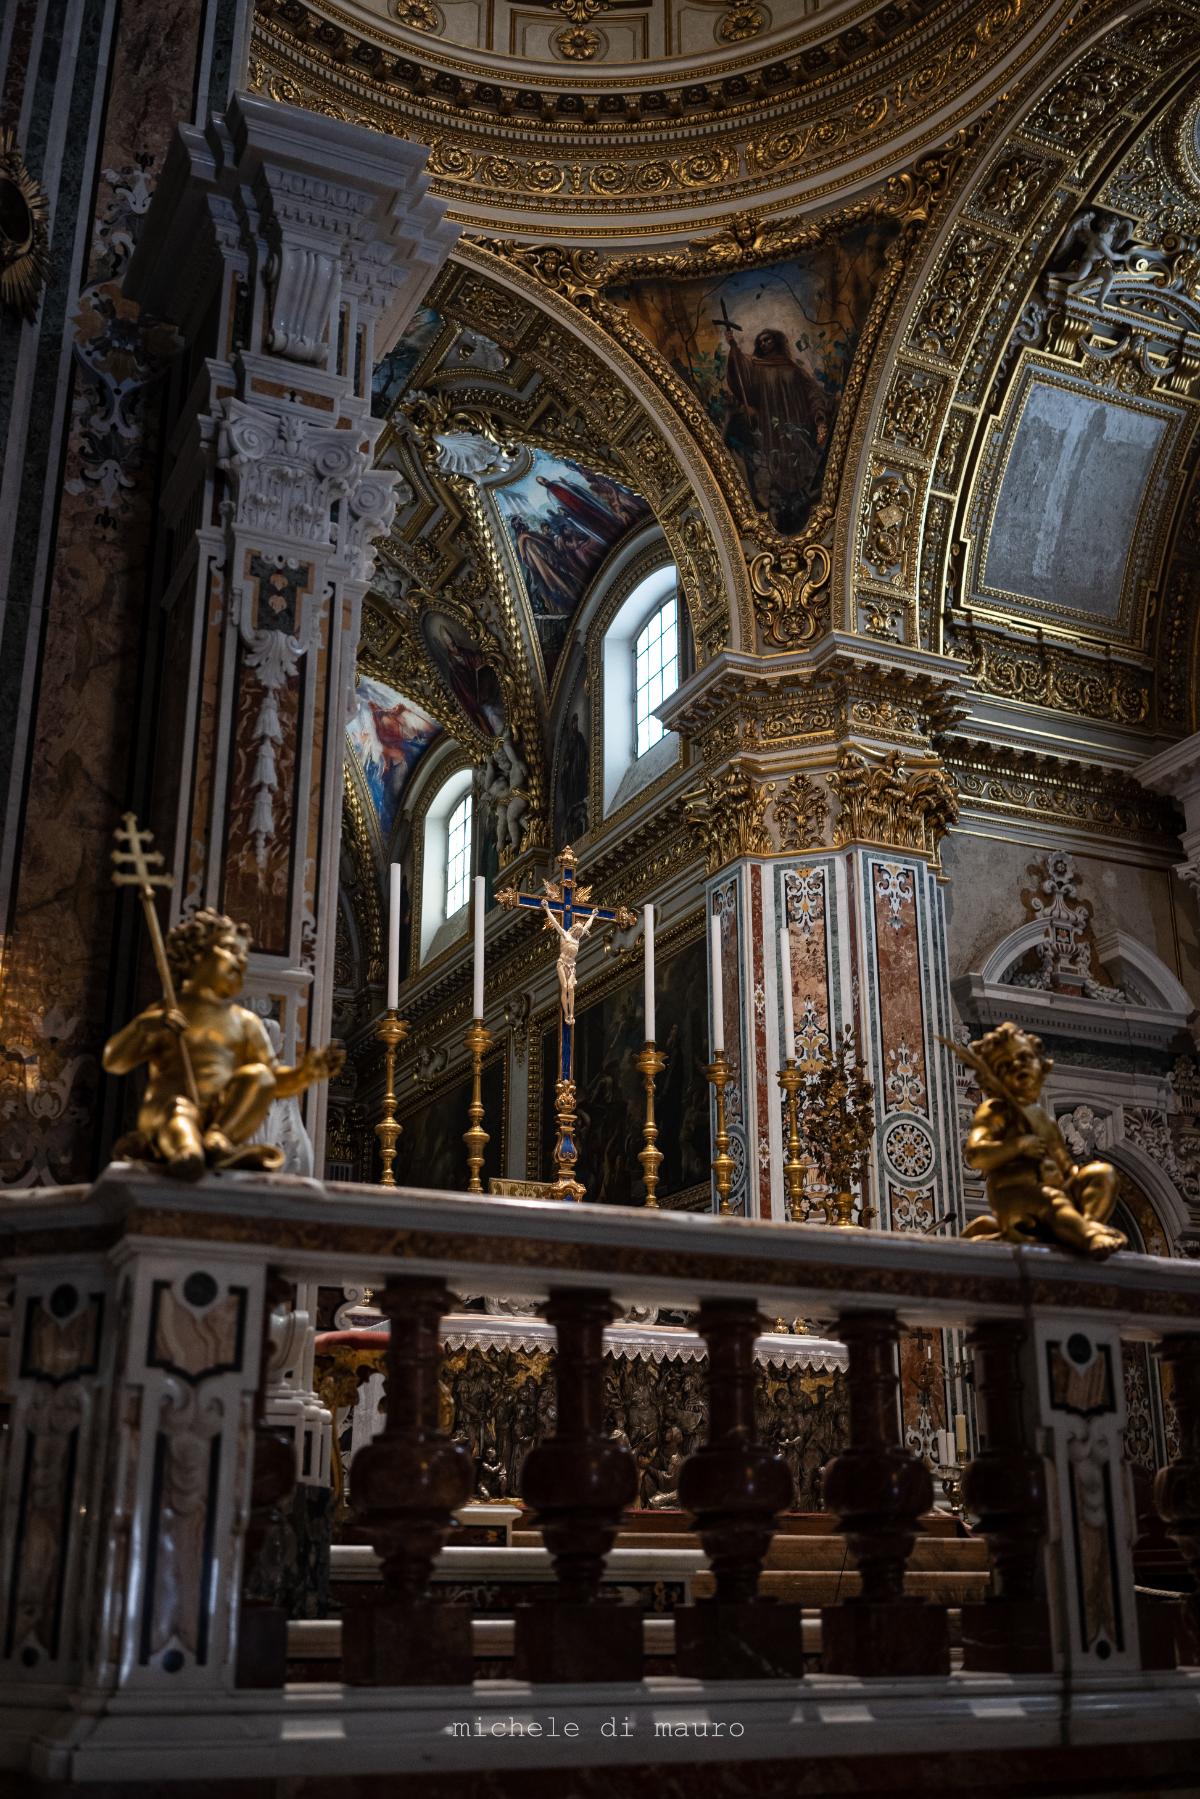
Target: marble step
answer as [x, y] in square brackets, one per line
[319, 1640]
[958, 1555]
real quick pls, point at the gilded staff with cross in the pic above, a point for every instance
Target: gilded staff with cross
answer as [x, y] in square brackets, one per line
[565, 909]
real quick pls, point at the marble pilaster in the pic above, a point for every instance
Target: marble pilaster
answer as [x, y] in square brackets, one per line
[290, 250]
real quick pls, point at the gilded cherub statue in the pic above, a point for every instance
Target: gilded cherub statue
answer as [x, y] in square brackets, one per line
[213, 1073]
[1036, 1192]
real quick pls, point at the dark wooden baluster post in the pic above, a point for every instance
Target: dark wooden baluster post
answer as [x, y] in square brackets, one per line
[735, 1487]
[879, 1491]
[1177, 1486]
[405, 1489]
[578, 1483]
[262, 1620]
[1005, 1491]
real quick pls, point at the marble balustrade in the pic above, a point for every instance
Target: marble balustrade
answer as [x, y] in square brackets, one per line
[149, 1453]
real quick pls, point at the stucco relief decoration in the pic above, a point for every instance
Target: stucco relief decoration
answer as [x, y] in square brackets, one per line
[800, 813]
[886, 529]
[1062, 961]
[287, 477]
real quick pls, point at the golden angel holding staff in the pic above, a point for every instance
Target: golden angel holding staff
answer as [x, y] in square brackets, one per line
[213, 1073]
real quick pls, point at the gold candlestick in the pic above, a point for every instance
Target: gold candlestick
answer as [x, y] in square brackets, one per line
[479, 1041]
[791, 1079]
[720, 1074]
[650, 1063]
[392, 1030]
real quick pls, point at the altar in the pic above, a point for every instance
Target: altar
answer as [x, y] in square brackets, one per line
[497, 1396]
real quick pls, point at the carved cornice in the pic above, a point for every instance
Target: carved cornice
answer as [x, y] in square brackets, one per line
[774, 706]
[1028, 788]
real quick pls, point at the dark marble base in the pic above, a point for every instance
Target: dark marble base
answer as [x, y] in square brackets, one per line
[1007, 1636]
[905, 1637]
[557, 1642]
[757, 1639]
[1158, 1629]
[262, 1646]
[422, 1645]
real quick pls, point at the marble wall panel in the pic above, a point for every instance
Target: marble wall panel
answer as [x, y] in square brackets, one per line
[96, 93]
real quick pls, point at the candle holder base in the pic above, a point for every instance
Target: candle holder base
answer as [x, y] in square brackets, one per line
[391, 1031]
[650, 1063]
[719, 1074]
[479, 1041]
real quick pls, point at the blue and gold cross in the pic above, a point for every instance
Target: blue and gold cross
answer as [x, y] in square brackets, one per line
[565, 909]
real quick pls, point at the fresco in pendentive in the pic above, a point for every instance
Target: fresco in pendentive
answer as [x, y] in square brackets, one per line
[612, 1102]
[563, 519]
[768, 351]
[389, 735]
[573, 770]
[465, 670]
[393, 370]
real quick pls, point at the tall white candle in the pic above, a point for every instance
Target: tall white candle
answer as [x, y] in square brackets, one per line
[718, 990]
[480, 903]
[648, 934]
[785, 966]
[393, 957]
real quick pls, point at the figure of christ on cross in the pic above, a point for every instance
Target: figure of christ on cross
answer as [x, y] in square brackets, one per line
[565, 909]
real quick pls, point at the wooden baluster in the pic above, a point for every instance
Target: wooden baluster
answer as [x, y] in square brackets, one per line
[1177, 1486]
[735, 1487]
[879, 1491]
[578, 1483]
[1005, 1490]
[262, 1620]
[405, 1489]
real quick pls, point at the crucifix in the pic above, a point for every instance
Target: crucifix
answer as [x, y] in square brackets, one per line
[725, 322]
[565, 909]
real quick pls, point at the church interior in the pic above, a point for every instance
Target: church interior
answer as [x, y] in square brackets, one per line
[600, 883]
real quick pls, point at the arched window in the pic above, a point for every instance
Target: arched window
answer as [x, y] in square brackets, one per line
[458, 856]
[446, 857]
[656, 671]
[643, 660]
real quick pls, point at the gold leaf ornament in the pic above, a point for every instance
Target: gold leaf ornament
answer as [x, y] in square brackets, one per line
[24, 243]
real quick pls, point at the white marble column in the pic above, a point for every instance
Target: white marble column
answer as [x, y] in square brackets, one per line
[290, 250]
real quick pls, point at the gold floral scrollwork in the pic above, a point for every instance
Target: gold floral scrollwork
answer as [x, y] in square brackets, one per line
[789, 592]
[907, 805]
[910, 409]
[800, 814]
[24, 244]
[726, 814]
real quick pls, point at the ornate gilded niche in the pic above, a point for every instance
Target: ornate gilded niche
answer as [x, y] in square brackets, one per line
[1046, 347]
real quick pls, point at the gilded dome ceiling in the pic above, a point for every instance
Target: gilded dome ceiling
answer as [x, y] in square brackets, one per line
[601, 119]
[628, 35]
